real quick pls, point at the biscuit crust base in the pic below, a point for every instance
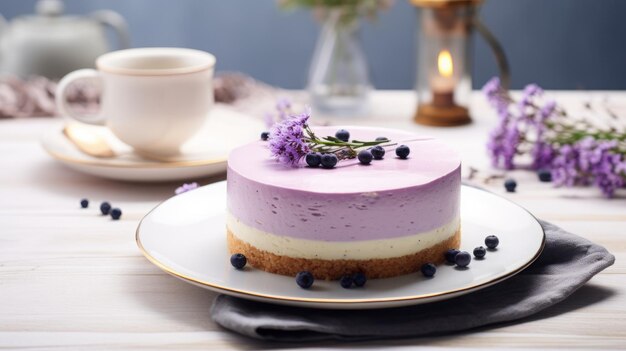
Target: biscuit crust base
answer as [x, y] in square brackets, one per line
[334, 269]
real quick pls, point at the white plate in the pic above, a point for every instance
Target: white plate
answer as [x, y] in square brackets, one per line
[186, 237]
[202, 156]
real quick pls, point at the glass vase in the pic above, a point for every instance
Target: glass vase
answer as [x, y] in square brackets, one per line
[338, 75]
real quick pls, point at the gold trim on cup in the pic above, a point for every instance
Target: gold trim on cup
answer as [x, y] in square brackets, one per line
[103, 67]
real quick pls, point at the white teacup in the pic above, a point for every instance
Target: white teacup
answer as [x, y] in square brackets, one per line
[153, 99]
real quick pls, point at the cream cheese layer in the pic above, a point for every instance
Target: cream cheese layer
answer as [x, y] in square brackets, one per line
[335, 250]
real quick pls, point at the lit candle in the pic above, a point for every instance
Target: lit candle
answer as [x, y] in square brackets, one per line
[443, 83]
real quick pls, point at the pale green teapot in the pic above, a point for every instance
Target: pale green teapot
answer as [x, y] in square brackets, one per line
[51, 44]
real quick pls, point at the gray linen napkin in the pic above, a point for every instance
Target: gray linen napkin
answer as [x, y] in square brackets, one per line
[567, 262]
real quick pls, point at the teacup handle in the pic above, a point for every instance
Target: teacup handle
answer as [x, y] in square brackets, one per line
[61, 98]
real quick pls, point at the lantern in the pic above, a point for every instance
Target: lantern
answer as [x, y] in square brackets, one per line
[444, 79]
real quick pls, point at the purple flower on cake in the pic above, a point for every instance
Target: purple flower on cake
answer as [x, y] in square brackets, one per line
[292, 139]
[186, 187]
[575, 151]
[287, 142]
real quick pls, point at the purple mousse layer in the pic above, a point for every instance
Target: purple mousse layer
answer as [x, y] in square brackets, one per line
[387, 199]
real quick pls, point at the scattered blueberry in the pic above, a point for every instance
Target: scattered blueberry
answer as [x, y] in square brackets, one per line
[313, 159]
[381, 138]
[463, 259]
[84, 203]
[105, 208]
[429, 270]
[450, 255]
[346, 281]
[305, 279]
[265, 136]
[365, 157]
[329, 160]
[510, 185]
[342, 135]
[238, 260]
[378, 152]
[359, 279]
[544, 175]
[115, 213]
[403, 151]
[480, 252]
[492, 241]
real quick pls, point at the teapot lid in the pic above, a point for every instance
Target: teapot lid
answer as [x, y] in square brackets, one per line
[48, 13]
[49, 8]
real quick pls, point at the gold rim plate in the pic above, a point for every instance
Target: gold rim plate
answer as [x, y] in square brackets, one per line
[288, 297]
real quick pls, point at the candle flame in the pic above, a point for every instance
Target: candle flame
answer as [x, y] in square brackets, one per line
[444, 63]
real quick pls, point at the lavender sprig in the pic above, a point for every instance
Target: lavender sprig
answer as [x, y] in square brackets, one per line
[576, 151]
[292, 139]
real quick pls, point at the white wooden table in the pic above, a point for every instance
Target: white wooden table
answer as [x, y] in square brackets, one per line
[71, 279]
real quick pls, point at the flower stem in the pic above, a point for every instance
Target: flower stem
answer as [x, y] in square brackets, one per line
[336, 146]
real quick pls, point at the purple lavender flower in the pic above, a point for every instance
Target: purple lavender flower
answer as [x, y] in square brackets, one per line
[186, 187]
[575, 155]
[547, 110]
[291, 140]
[503, 144]
[283, 112]
[530, 92]
[287, 140]
[564, 167]
[510, 143]
[542, 154]
[526, 105]
[590, 161]
[604, 165]
[497, 97]
[492, 88]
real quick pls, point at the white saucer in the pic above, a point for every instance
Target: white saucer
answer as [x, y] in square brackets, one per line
[186, 237]
[202, 156]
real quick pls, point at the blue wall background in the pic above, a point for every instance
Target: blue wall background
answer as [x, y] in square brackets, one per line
[560, 44]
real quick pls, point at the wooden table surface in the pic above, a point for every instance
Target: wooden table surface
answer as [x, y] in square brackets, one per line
[71, 279]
